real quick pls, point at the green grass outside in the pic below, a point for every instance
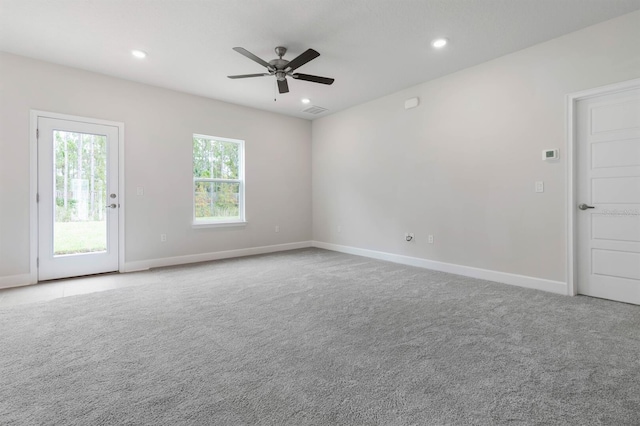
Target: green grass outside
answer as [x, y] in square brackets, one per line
[79, 237]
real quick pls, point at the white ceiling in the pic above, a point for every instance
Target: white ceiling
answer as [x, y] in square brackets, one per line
[371, 47]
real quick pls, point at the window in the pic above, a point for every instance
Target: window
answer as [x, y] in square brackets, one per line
[218, 180]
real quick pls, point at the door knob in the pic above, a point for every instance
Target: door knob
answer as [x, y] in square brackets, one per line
[583, 206]
[112, 206]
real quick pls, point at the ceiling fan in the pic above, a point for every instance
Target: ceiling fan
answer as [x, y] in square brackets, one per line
[282, 68]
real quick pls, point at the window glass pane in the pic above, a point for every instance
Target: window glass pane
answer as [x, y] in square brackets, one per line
[216, 201]
[202, 165]
[215, 159]
[80, 193]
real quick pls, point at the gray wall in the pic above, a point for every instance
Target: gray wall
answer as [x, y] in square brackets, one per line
[462, 165]
[159, 125]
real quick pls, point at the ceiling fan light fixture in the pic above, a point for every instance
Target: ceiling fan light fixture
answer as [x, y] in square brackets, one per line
[439, 43]
[140, 54]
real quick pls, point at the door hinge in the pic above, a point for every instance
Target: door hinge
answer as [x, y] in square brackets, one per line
[37, 133]
[37, 261]
[37, 198]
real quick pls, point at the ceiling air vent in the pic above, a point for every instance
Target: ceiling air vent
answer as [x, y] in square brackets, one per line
[315, 110]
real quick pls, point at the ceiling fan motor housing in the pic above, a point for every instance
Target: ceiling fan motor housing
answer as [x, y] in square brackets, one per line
[279, 64]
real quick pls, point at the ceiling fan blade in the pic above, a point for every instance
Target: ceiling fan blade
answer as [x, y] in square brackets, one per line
[245, 52]
[283, 86]
[248, 75]
[305, 57]
[313, 78]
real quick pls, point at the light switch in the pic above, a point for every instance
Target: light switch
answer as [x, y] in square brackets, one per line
[139, 190]
[539, 186]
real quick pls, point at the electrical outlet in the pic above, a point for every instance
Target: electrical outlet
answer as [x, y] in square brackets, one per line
[139, 190]
[339, 229]
[430, 239]
[163, 238]
[409, 237]
[540, 186]
[277, 228]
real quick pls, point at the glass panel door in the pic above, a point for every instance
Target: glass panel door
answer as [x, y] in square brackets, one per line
[78, 219]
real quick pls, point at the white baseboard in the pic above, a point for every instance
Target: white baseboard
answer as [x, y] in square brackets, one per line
[15, 280]
[485, 274]
[142, 265]
[468, 271]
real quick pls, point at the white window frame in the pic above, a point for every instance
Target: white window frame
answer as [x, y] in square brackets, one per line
[200, 223]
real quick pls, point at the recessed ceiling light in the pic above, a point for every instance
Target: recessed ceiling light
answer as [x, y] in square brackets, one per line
[306, 100]
[439, 43]
[139, 54]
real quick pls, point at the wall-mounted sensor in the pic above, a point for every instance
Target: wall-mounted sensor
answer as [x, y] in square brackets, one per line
[411, 103]
[550, 154]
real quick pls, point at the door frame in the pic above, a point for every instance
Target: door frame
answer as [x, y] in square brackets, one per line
[571, 163]
[33, 184]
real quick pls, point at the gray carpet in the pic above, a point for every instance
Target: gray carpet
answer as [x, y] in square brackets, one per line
[312, 337]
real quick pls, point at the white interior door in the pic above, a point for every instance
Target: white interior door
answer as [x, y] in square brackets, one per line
[77, 198]
[608, 193]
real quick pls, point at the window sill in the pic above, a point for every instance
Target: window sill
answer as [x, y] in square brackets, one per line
[196, 225]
